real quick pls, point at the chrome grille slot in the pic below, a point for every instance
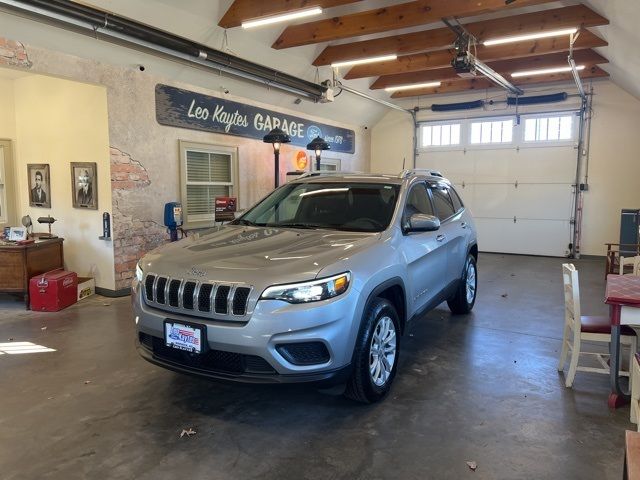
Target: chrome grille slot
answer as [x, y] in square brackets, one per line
[204, 297]
[174, 297]
[191, 297]
[148, 286]
[160, 290]
[240, 298]
[221, 304]
[187, 295]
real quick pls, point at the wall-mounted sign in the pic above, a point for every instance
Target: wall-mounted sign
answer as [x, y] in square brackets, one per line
[176, 107]
[301, 160]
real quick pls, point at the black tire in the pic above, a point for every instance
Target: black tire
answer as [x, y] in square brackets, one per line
[459, 304]
[361, 387]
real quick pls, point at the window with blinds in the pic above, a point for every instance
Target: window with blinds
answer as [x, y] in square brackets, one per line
[207, 172]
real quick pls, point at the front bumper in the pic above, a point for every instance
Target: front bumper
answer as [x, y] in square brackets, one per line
[235, 348]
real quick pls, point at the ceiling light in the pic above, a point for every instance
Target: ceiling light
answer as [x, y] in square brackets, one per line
[530, 36]
[412, 86]
[259, 22]
[544, 71]
[362, 61]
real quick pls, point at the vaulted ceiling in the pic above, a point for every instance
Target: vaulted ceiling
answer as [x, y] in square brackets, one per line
[424, 54]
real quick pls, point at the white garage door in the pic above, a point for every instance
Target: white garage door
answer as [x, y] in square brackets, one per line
[517, 179]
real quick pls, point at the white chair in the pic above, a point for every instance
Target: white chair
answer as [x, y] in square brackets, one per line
[579, 328]
[635, 261]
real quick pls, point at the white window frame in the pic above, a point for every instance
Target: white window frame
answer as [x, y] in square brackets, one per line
[575, 125]
[517, 139]
[457, 146]
[514, 135]
[212, 149]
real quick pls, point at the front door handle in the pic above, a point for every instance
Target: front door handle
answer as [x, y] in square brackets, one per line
[441, 238]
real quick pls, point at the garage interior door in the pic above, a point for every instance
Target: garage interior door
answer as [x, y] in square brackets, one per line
[517, 178]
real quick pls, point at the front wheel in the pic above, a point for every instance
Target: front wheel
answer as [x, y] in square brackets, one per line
[375, 359]
[465, 296]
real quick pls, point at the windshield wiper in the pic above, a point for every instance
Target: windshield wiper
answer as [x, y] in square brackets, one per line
[310, 226]
[242, 221]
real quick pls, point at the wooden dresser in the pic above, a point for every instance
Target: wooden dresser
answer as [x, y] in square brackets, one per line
[18, 263]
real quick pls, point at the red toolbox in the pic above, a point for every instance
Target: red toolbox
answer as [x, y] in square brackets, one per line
[53, 291]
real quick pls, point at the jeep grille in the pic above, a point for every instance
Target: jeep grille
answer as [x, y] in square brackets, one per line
[196, 298]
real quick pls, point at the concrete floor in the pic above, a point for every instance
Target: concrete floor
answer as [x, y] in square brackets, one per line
[482, 387]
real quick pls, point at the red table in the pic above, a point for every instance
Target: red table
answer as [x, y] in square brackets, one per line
[623, 297]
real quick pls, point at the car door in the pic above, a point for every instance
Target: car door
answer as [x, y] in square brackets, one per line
[424, 254]
[452, 228]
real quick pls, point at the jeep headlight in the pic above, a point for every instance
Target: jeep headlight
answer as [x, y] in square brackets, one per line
[312, 291]
[139, 272]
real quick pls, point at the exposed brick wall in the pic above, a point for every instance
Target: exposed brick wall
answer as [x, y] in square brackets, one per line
[13, 53]
[132, 237]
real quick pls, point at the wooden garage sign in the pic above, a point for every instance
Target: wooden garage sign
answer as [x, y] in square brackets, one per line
[176, 107]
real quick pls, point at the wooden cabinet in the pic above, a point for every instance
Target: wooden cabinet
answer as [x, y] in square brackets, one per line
[18, 263]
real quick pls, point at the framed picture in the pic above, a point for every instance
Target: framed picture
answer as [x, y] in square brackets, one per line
[17, 233]
[39, 185]
[84, 185]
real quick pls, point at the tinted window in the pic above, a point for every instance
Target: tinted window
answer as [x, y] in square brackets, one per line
[417, 202]
[360, 207]
[443, 202]
[457, 201]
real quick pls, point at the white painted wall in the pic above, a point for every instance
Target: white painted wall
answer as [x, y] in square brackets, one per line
[614, 169]
[58, 122]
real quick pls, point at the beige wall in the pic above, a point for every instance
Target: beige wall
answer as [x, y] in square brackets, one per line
[7, 110]
[392, 143]
[614, 170]
[58, 122]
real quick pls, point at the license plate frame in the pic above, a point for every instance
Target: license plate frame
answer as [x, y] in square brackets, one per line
[189, 337]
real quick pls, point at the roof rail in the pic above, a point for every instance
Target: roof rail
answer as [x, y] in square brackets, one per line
[420, 171]
[327, 172]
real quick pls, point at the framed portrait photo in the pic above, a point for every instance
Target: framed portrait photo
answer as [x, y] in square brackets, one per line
[39, 185]
[84, 185]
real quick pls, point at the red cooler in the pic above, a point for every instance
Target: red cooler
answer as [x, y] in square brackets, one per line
[53, 291]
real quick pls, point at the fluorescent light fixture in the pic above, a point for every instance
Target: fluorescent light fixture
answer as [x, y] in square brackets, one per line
[362, 61]
[544, 71]
[259, 22]
[529, 36]
[413, 86]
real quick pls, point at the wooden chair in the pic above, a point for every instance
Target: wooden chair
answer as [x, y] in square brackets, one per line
[578, 328]
[634, 261]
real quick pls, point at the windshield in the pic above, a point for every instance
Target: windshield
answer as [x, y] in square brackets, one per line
[358, 207]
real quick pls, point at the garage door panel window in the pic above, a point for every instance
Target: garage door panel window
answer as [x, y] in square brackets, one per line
[549, 129]
[208, 171]
[492, 132]
[440, 135]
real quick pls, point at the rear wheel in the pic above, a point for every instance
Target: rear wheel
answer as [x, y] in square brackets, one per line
[375, 359]
[465, 297]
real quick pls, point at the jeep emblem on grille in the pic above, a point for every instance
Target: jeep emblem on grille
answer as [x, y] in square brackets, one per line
[196, 272]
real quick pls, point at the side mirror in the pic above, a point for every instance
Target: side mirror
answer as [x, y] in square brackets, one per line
[420, 222]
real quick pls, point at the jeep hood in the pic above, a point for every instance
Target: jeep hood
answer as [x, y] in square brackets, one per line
[255, 255]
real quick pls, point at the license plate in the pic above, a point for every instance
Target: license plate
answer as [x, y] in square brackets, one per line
[183, 337]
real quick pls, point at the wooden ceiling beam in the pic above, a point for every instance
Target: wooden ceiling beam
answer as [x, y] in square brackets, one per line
[442, 58]
[586, 57]
[241, 10]
[410, 14]
[454, 86]
[442, 38]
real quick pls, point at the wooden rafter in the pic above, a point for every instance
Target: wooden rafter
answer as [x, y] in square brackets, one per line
[241, 10]
[483, 83]
[442, 58]
[442, 38]
[585, 57]
[410, 14]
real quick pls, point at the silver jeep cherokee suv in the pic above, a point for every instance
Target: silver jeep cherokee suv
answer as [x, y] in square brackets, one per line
[315, 283]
